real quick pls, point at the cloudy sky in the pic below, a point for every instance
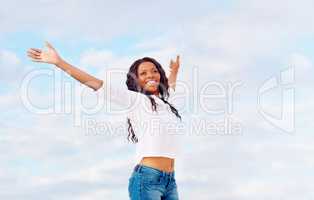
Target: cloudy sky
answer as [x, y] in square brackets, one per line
[245, 91]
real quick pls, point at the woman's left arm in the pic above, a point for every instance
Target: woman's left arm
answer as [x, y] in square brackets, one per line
[174, 68]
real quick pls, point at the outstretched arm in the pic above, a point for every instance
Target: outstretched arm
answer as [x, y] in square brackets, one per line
[174, 68]
[52, 57]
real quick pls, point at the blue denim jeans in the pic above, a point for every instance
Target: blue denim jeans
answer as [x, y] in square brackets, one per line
[148, 183]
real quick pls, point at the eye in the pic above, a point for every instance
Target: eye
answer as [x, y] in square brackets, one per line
[142, 73]
[155, 71]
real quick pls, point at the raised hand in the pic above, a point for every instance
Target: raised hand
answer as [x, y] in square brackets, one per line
[49, 55]
[174, 65]
[174, 68]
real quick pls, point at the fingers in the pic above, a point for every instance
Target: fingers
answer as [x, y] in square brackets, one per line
[48, 45]
[178, 59]
[34, 55]
[35, 58]
[33, 51]
[37, 50]
[171, 63]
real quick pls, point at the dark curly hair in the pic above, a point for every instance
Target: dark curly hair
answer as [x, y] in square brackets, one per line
[132, 84]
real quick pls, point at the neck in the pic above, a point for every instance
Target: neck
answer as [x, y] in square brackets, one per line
[156, 93]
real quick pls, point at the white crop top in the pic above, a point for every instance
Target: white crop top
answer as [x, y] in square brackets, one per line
[157, 132]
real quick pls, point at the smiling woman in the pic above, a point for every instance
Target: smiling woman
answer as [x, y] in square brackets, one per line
[156, 148]
[148, 77]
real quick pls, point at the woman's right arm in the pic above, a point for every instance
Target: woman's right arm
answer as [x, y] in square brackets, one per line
[121, 96]
[52, 57]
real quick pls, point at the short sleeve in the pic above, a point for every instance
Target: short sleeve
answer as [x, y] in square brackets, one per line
[176, 98]
[117, 94]
[171, 91]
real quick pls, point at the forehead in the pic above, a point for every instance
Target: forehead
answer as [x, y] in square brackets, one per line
[146, 66]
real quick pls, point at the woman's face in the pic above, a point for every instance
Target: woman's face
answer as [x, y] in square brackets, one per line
[148, 77]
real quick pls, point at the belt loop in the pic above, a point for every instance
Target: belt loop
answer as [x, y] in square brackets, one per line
[138, 168]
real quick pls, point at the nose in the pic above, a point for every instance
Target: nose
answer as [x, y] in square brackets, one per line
[149, 75]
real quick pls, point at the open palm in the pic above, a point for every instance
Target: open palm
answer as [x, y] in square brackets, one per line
[174, 65]
[50, 55]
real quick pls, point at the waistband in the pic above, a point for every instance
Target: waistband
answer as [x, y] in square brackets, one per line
[144, 168]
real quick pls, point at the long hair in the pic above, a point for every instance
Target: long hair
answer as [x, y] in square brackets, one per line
[132, 84]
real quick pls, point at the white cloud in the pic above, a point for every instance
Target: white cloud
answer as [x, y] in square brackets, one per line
[100, 20]
[259, 164]
[95, 58]
[9, 101]
[10, 66]
[8, 57]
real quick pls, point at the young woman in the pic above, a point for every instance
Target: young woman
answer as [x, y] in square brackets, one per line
[151, 121]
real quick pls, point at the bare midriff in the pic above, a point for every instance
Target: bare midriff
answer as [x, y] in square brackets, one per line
[161, 163]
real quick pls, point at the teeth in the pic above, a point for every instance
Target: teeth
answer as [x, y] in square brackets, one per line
[151, 82]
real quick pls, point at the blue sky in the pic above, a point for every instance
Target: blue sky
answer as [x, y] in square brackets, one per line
[227, 42]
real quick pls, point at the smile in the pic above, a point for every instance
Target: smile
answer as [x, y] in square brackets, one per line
[151, 82]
